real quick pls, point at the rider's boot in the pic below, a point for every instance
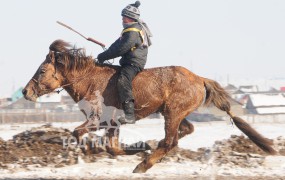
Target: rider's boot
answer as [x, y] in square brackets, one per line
[129, 110]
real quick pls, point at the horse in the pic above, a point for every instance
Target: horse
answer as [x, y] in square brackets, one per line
[173, 91]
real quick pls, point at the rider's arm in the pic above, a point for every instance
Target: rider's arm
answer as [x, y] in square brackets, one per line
[121, 46]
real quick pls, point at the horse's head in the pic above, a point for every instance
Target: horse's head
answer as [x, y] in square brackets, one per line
[48, 76]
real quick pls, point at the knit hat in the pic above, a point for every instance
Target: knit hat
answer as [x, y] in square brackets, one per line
[132, 11]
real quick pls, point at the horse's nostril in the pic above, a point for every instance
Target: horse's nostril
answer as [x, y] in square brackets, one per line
[24, 91]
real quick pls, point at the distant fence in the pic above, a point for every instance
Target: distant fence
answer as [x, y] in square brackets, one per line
[39, 116]
[42, 116]
[266, 118]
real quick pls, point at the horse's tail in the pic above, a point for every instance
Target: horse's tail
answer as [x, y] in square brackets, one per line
[220, 98]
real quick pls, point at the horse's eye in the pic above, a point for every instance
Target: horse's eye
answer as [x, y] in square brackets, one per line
[42, 71]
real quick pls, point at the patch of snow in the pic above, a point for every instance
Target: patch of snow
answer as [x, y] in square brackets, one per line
[267, 100]
[271, 110]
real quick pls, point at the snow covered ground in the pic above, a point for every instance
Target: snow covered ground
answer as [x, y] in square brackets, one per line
[205, 135]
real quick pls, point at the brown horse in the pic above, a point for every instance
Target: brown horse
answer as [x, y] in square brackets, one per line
[173, 91]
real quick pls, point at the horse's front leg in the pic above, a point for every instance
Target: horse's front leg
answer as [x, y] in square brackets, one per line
[79, 131]
[114, 147]
[91, 123]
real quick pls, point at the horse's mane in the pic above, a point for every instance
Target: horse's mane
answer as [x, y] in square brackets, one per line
[73, 58]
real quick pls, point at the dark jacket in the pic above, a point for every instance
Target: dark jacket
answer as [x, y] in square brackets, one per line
[129, 47]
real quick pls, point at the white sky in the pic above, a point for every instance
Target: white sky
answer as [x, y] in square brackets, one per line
[213, 38]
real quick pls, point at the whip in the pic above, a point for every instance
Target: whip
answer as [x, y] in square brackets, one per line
[87, 38]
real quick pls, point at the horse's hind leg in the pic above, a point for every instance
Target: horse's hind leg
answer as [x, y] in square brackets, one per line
[176, 127]
[185, 128]
[170, 141]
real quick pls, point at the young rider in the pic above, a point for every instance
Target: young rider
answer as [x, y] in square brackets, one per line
[132, 46]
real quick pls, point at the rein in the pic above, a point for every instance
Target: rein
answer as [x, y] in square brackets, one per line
[67, 84]
[75, 80]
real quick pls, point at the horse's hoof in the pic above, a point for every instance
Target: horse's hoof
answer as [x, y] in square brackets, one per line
[75, 134]
[140, 169]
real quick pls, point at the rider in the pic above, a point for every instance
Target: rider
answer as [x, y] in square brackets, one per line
[132, 46]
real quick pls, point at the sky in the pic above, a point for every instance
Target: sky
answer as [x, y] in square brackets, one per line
[217, 39]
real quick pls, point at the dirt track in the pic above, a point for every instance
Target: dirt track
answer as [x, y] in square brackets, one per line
[42, 147]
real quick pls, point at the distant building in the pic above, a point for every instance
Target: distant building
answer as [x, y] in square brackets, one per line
[238, 95]
[21, 104]
[234, 92]
[273, 90]
[236, 108]
[5, 102]
[266, 104]
[230, 88]
[49, 101]
[246, 89]
[242, 93]
[17, 94]
[52, 101]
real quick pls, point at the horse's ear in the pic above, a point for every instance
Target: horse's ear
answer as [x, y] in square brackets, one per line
[51, 56]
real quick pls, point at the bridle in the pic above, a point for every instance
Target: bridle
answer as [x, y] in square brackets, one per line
[54, 75]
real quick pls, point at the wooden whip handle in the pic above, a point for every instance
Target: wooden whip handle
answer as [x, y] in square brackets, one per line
[95, 41]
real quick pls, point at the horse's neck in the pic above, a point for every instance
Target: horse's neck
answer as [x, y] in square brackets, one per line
[85, 84]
